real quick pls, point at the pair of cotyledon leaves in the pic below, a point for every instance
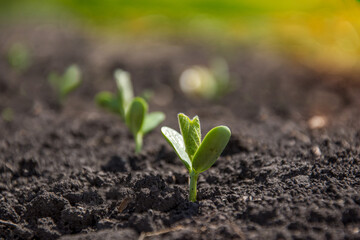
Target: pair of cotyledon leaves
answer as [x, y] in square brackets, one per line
[196, 155]
[66, 83]
[132, 110]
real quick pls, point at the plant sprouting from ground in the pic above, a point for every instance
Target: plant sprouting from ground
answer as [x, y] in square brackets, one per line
[133, 111]
[65, 84]
[7, 114]
[18, 57]
[206, 82]
[196, 155]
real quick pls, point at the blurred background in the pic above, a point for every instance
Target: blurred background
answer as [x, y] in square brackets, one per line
[253, 57]
[321, 34]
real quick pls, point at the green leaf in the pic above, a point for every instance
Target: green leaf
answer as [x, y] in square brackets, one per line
[177, 143]
[70, 81]
[135, 115]
[211, 148]
[112, 103]
[124, 85]
[66, 83]
[152, 120]
[191, 132]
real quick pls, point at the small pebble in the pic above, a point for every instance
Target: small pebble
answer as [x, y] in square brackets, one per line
[316, 151]
[317, 122]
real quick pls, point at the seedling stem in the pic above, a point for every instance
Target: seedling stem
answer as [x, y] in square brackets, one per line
[193, 183]
[138, 143]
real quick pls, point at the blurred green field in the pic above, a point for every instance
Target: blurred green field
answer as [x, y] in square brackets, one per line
[323, 34]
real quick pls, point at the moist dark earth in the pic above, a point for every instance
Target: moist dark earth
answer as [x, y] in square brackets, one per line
[70, 172]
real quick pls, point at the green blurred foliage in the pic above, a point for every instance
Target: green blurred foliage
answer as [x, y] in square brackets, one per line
[18, 57]
[65, 83]
[7, 114]
[321, 33]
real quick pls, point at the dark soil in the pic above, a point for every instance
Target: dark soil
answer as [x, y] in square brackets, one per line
[70, 172]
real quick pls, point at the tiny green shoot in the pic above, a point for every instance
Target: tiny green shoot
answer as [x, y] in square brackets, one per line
[65, 84]
[7, 114]
[206, 82]
[18, 57]
[133, 111]
[196, 155]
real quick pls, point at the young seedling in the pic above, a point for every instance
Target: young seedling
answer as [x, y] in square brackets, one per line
[196, 155]
[68, 82]
[132, 110]
[206, 82]
[18, 57]
[7, 114]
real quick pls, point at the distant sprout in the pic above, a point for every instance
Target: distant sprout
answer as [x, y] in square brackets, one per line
[65, 84]
[7, 114]
[204, 82]
[220, 70]
[147, 94]
[198, 81]
[18, 57]
[196, 155]
[133, 111]
[317, 122]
